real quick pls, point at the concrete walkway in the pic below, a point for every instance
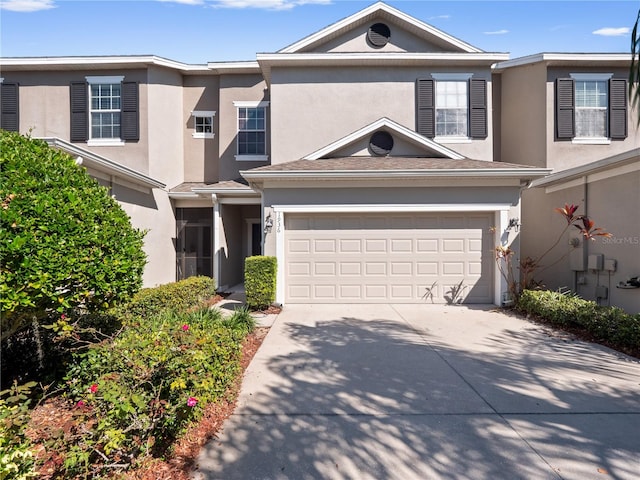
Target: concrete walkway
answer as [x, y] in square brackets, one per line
[428, 392]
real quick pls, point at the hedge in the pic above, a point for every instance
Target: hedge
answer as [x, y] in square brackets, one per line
[260, 281]
[609, 324]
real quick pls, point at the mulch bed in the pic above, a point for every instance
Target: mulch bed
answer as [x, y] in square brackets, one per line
[55, 417]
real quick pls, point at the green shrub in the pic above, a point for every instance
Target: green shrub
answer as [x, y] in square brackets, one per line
[178, 296]
[610, 324]
[64, 242]
[260, 281]
[140, 391]
[16, 457]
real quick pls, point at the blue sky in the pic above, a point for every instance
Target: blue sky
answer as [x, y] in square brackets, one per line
[199, 31]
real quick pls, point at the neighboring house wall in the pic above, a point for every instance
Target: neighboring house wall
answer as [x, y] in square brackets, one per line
[234, 88]
[563, 154]
[313, 107]
[612, 202]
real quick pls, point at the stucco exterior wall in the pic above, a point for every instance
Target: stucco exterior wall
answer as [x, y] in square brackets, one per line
[200, 154]
[165, 126]
[356, 41]
[564, 154]
[45, 110]
[313, 107]
[238, 88]
[152, 211]
[613, 204]
[523, 117]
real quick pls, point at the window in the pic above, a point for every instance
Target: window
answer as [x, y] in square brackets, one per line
[252, 131]
[592, 98]
[203, 124]
[591, 108]
[451, 107]
[104, 111]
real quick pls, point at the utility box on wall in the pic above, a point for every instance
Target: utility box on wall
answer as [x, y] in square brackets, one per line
[596, 262]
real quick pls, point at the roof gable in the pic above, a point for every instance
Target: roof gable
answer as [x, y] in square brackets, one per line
[406, 143]
[408, 34]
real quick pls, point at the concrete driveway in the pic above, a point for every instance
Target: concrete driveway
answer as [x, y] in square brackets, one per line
[428, 392]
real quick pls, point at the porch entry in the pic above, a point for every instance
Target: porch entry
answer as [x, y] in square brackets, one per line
[194, 242]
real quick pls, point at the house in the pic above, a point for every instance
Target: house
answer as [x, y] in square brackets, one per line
[379, 159]
[578, 124]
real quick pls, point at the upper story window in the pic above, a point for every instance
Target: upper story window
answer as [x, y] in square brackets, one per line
[252, 131]
[105, 104]
[452, 107]
[591, 108]
[104, 111]
[203, 124]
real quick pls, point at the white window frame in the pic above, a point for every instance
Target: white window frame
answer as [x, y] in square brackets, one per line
[593, 77]
[452, 77]
[104, 80]
[202, 114]
[252, 104]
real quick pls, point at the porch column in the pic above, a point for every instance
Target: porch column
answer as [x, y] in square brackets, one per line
[216, 239]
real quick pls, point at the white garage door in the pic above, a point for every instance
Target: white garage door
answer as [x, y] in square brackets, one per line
[380, 258]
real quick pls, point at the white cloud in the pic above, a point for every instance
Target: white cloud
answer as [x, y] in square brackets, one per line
[26, 5]
[497, 32]
[266, 4]
[612, 32]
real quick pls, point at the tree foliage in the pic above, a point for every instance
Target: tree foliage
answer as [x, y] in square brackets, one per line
[65, 244]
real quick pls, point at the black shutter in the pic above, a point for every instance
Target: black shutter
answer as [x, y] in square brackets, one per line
[9, 107]
[478, 108]
[618, 108]
[79, 112]
[425, 108]
[129, 117]
[565, 107]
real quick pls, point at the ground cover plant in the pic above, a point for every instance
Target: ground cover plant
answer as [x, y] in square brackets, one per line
[610, 326]
[125, 400]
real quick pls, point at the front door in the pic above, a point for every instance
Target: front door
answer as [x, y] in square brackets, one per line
[194, 242]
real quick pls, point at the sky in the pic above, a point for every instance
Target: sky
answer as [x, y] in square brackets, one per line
[201, 31]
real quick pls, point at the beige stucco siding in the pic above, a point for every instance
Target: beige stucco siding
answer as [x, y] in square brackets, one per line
[165, 126]
[314, 107]
[565, 154]
[238, 88]
[524, 115]
[200, 93]
[613, 204]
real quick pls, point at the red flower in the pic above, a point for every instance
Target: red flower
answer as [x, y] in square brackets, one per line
[185, 327]
[567, 212]
[80, 404]
[192, 402]
[93, 388]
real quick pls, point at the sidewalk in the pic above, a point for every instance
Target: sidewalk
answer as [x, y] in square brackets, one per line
[235, 299]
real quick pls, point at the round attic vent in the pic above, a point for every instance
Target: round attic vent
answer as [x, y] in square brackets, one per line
[381, 143]
[378, 34]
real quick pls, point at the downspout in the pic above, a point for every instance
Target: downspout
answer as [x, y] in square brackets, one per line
[216, 239]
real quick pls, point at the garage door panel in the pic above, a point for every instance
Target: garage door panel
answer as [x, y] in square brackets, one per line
[377, 258]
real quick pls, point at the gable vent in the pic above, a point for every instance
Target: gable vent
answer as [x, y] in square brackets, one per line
[378, 35]
[381, 143]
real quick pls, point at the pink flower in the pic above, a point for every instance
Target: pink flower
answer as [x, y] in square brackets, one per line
[191, 402]
[185, 327]
[80, 404]
[94, 388]
[63, 317]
